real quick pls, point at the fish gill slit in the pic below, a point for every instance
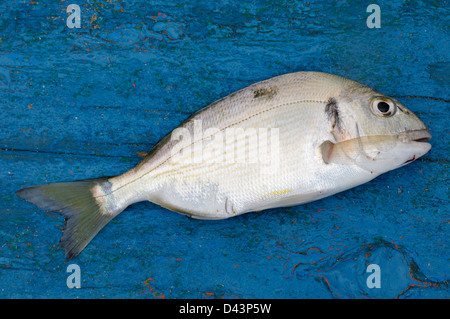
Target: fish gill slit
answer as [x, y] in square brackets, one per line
[230, 125]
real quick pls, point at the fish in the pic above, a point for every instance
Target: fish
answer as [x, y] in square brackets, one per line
[281, 142]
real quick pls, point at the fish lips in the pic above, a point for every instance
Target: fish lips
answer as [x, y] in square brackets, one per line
[416, 139]
[415, 136]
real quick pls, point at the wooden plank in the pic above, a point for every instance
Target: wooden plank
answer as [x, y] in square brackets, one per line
[83, 103]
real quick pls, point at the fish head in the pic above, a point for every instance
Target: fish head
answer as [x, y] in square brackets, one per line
[373, 131]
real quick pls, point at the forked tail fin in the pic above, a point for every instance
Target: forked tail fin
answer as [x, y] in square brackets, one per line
[84, 214]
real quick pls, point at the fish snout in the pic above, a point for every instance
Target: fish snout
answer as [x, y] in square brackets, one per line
[419, 136]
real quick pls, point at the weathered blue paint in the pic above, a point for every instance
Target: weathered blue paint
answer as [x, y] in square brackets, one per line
[83, 103]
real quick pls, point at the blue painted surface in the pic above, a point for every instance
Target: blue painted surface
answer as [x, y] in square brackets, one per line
[83, 103]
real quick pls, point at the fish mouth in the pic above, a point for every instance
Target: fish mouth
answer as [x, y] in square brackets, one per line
[418, 136]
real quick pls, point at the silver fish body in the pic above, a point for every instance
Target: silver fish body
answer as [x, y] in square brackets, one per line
[285, 141]
[292, 109]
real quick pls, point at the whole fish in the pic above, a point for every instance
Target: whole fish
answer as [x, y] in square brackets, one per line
[284, 141]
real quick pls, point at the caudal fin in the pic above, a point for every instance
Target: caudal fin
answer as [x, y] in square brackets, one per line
[84, 214]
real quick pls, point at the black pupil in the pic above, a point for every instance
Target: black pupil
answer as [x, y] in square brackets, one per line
[383, 107]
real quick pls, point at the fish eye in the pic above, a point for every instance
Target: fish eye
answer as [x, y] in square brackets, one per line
[383, 107]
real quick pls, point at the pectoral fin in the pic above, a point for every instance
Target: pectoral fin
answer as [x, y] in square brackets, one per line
[364, 151]
[326, 150]
[340, 153]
